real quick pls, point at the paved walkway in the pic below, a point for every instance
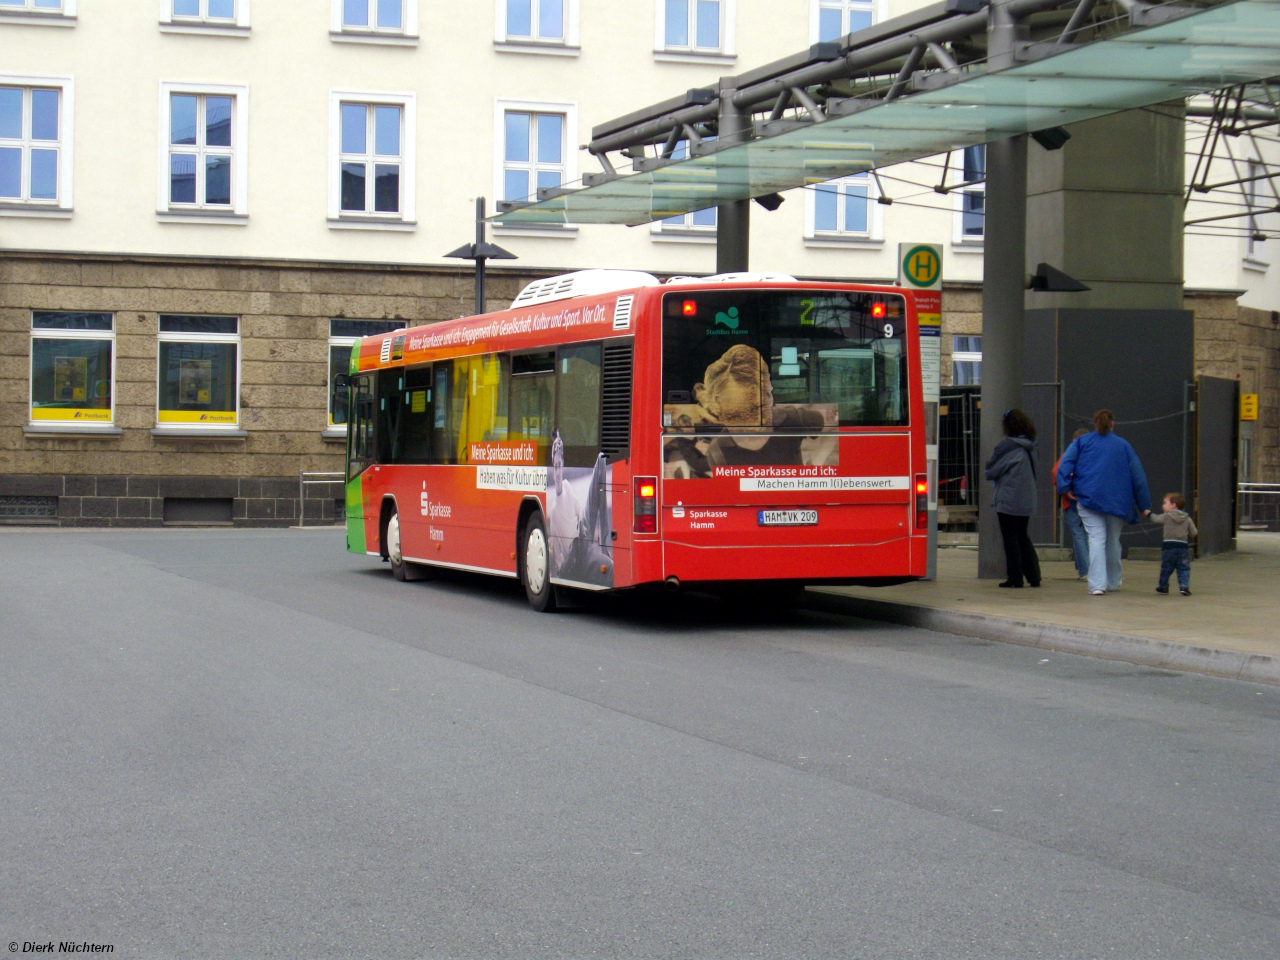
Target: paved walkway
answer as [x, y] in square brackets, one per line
[1234, 606]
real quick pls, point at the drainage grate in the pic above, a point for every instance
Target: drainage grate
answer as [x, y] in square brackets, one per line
[28, 509]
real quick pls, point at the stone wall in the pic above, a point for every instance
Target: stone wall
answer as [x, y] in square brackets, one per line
[284, 310]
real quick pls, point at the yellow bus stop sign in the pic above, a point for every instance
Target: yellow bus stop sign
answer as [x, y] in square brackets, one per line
[1248, 406]
[921, 267]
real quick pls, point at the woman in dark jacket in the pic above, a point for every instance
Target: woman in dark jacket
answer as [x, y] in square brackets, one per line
[1012, 468]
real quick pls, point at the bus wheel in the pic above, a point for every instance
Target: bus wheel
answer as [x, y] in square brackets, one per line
[399, 569]
[536, 566]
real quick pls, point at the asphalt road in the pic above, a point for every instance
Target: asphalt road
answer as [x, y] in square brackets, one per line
[249, 743]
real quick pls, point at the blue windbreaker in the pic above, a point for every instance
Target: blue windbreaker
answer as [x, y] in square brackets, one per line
[1105, 474]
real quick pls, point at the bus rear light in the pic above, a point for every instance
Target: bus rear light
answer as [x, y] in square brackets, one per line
[645, 510]
[878, 311]
[922, 501]
[689, 308]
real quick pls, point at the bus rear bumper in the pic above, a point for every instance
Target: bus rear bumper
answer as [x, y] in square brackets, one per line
[880, 564]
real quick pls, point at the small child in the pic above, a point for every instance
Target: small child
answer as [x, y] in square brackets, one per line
[1179, 528]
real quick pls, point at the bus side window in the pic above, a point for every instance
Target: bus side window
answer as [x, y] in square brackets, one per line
[416, 417]
[532, 401]
[387, 438]
[578, 403]
[360, 433]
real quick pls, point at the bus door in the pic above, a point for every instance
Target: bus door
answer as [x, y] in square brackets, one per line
[360, 456]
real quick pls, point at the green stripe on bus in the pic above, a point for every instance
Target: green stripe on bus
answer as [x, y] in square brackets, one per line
[355, 516]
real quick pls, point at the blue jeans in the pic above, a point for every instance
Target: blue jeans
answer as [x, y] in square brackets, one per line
[1104, 548]
[1079, 539]
[1175, 556]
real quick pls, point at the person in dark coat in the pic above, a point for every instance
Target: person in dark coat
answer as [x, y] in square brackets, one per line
[1012, 468]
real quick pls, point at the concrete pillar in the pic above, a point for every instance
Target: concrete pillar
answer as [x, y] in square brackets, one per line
[733, 220]
[1107, 210]
[1003, 281]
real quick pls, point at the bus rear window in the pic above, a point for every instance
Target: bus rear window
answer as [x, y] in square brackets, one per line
[782, 362]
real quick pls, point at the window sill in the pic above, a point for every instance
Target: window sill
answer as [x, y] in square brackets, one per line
[203, 216]
[684, 236]
[205, 29]
[47, 429]
[1256, 265]
[966, 246]
[35, 19]
[716, 59]
[546, 48]
[843, 243]
[372, 223]
[334, 435]
[202, 433]
[380, 39]
[35, 211]
[538, 230]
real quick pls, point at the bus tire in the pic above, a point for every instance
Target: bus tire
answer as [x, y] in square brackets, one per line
[400, 568]
[535, 565]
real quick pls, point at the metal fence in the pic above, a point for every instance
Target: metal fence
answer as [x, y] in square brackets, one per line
[1258, 506]
[313, 478]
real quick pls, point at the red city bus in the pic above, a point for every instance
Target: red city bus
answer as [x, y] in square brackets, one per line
[610, 431]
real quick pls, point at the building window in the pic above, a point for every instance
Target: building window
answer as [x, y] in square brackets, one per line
[199, 371]
[35, 144]
[203, 151]
[695, 28]
[972, 199]
[535, 19]
[72, 368]
[966, 361]
[36, 11]
[372, 160]
[375, 21]
[343, 334]
[533, 153]
[1253, 250]
[688, 224]
[843, 208]
[205, 16]
[833, 19]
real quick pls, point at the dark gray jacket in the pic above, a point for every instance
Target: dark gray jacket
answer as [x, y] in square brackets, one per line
[1012, 467]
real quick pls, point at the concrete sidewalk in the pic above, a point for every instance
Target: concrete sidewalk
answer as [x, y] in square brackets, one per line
[1229, 626]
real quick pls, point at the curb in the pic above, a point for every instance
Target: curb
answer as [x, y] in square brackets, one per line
[1165, 654]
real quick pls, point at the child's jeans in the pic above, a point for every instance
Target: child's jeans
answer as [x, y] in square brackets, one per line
[1175, 556]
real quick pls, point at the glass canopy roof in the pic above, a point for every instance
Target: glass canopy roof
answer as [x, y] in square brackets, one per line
[1230, 44]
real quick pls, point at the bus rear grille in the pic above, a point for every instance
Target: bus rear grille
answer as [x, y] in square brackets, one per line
[615, 420]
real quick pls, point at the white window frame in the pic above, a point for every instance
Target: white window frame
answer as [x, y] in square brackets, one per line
[569, 157]
[237, 213]
[405, 36]
[61, 207]
[686, 231]
[238, 26]
[340, 429]
[46, 333]
[725, 54]
[879, 11]
[955, 176]
[873, 236]
[1253, 259]
[566, 46]
[29, 13]
[165, 336]
[402, 221]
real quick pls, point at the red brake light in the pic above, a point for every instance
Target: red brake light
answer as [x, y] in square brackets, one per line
[645, 505]
[878, 311]
[922, 501]
[922, 487]
[689, 308]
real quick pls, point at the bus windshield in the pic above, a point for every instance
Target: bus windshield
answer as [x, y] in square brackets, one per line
[769, 361]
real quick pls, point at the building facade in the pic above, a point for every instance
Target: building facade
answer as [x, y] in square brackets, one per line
[203, 201]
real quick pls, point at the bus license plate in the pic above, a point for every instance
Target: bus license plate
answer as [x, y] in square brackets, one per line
[787, 518]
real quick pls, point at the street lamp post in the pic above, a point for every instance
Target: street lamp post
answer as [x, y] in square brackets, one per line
[480, 251]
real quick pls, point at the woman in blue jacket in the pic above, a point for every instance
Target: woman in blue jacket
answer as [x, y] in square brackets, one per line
[1104, 476]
